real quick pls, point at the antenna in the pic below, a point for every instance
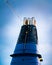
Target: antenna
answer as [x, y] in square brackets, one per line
[13, 10]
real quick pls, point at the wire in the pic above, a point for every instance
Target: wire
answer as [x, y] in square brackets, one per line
[24, 45]
[13, 10]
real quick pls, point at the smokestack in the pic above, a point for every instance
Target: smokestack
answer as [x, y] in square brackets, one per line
[26, 52]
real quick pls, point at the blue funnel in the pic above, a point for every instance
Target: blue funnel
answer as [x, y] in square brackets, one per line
[25, 52]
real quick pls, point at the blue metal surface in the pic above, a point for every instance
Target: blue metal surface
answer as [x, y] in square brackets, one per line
[25, 60]
[26, 48]
[25, 52]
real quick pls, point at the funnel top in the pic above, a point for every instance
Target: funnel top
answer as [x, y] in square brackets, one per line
[29, 21]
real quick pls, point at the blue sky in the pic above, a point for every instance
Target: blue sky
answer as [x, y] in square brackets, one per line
[10, 26]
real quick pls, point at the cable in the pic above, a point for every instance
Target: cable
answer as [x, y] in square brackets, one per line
[24, 45]
[13, 10]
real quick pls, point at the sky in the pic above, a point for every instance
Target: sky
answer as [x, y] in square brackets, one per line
[11, 20]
